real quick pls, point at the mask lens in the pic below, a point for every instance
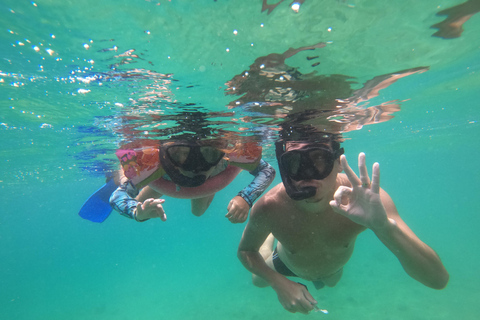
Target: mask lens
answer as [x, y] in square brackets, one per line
[194, 158]
[320, 159]
[291, 162]
[178, 154]
[312, 163]
[211, 155]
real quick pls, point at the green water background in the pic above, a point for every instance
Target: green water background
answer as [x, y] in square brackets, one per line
[54, 265]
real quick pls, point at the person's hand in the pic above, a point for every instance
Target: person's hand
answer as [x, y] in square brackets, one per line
[364, 204]
[151, 208]
[294, 296]
[237, 210]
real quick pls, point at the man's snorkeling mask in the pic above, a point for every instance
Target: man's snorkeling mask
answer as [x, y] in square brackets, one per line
[315, 161]
[188, 156]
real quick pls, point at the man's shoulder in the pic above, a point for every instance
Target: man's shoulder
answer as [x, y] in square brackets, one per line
[272, 200]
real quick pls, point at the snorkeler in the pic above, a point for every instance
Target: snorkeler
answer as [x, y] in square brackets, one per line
[188, 169]
[316, 215]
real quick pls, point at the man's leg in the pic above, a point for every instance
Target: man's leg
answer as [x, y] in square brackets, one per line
[200, 205]
[266, 250]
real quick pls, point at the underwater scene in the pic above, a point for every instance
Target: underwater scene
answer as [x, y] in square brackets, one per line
[148, 95]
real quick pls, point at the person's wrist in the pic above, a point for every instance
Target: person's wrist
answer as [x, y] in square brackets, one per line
[276, 281]
[245, 198]
[385, 227]
[137, 218]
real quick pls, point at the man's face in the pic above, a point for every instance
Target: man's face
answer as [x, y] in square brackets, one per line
[310, 162]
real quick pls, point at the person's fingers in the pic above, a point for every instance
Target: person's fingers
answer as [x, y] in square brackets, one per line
[230, 209]
[243, 218]
[362, 167]
[294, 307]
[238, 219]
[337, 209]
[236, 212]
[163, 217]
[352, 177]
[157, 204]
[376, 178]
[310, 298]
[306, 306]
[336, 204]
[161, 213]
[303, 306]
[233, 218]
[308, 301]
[341, 192]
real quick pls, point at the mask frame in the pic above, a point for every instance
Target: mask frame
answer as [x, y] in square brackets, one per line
[306, 170]
[192, 163]
[197, 158]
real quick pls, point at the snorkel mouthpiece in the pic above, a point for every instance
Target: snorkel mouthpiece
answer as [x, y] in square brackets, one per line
[298, 194]
[184, 181]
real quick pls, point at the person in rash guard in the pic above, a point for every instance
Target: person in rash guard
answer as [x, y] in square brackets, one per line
[189, 169]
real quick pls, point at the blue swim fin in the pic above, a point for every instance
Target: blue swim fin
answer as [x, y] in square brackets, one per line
[97, 207]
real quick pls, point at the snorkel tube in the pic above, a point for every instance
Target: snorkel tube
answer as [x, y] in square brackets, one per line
[293, 191]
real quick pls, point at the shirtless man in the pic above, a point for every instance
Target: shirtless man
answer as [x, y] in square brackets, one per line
[316, 215]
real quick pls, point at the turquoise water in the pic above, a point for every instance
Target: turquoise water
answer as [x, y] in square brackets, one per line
[63, 87]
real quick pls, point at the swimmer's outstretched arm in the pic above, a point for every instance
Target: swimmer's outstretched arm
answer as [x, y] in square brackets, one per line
[122, 200]
[373, 208]
[239, 206]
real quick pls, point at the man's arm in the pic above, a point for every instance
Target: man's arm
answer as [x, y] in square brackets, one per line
[293, 296]
[417, 259]
[254, 235]
[373, 208]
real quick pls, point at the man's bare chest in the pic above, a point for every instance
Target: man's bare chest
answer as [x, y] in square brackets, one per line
[327, 234]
